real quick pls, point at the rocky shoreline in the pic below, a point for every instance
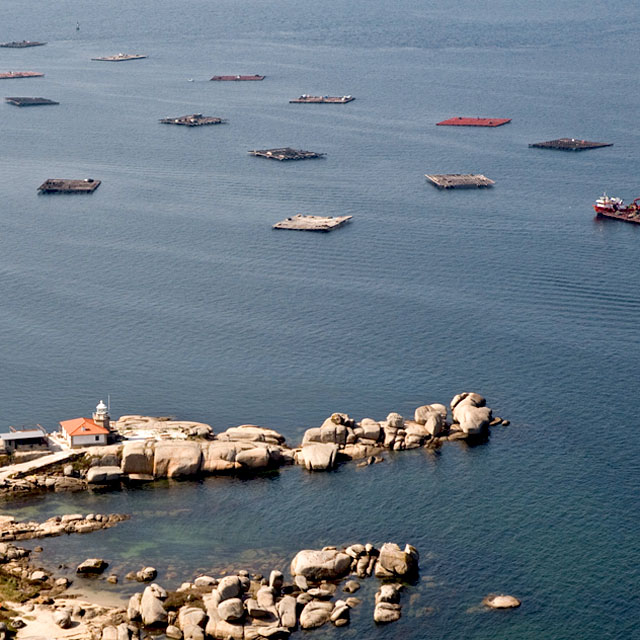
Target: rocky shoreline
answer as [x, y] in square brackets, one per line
[11, 530]
[171, 449]
[237, 606]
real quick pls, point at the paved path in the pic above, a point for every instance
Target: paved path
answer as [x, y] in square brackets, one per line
[34, 465]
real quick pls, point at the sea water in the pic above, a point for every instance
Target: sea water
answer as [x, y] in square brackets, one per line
[168, 289]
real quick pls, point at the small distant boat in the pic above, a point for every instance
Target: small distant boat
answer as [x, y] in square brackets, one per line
[121, 57]
[305, 98]
[77, 26]
[237, 78]
[612, 207]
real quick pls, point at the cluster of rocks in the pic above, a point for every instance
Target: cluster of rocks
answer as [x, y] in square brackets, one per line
[341, 437]
[41, 482]
[14, 561]
[244, 607]
[174, 449]
[10, 529]
[246, 448]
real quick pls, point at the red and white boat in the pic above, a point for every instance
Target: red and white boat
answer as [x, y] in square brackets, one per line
[611, 207]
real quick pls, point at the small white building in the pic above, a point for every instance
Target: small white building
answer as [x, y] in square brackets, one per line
[82, 432]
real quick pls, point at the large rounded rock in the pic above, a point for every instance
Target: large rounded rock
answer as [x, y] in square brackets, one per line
[332, 431]
[252, 433]
[388, 593]
[177, 459]
[173, 632]
[266, 597]
[473, 420]
[472, 398]
[220, 457]
[319, 456]
[386, 612]
[502, 602]
[137, 457]
[315, 614]
[151, 609]
[146, 574]
[371, 429]
[229, 587]
[62, 617]
[312, 435]
[191, 616]
[256, 458]
[320, 565]
[133, 610]
[433, 417]
[287, 612]
[92, 566]
[394, 562]
[231, 609]
[103, 475]
[395, 421]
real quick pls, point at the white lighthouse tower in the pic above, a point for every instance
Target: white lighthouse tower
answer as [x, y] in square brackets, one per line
[101, 415]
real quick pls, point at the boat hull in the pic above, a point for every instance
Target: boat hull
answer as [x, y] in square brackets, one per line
[627, 215]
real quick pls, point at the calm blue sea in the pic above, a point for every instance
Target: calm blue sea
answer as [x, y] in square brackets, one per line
[168, 289]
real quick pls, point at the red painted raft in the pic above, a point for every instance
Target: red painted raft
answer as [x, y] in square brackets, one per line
[473, 122]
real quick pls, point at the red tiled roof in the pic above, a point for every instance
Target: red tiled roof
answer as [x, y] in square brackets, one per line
[82, 427]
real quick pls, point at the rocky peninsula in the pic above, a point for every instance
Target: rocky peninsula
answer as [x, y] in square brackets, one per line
[242, 606]
[155, 448]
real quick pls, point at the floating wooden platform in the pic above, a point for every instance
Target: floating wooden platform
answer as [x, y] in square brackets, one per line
[286, 153]
[29, 102]
[194, 120]
[304, 98]
[57, 185]
[23, 44]
[237, 78]
[121, 57]
[570, 144]
[459, 180]
[312, 223]
[473, 122]
[20, 74]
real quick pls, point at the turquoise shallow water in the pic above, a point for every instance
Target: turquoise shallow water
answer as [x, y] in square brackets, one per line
[167, 288]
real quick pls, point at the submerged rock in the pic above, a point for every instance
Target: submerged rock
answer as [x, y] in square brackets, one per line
[315, 614]
[92, 566]
[501, 602]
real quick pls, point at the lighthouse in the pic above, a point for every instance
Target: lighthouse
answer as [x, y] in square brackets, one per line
[101, 415]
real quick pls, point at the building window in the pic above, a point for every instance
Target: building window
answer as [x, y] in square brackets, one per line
[97, 438]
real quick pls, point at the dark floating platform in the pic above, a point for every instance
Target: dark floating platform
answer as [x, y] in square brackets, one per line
[29, 102]
[121, 57]
[57, 185]
[312, 223]
[286, 153]
[570, 144]
[459, 180]
[23, 44]
[237, 78]
[20, 74]
[459, 121]
[193, 120]
[304, 99]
